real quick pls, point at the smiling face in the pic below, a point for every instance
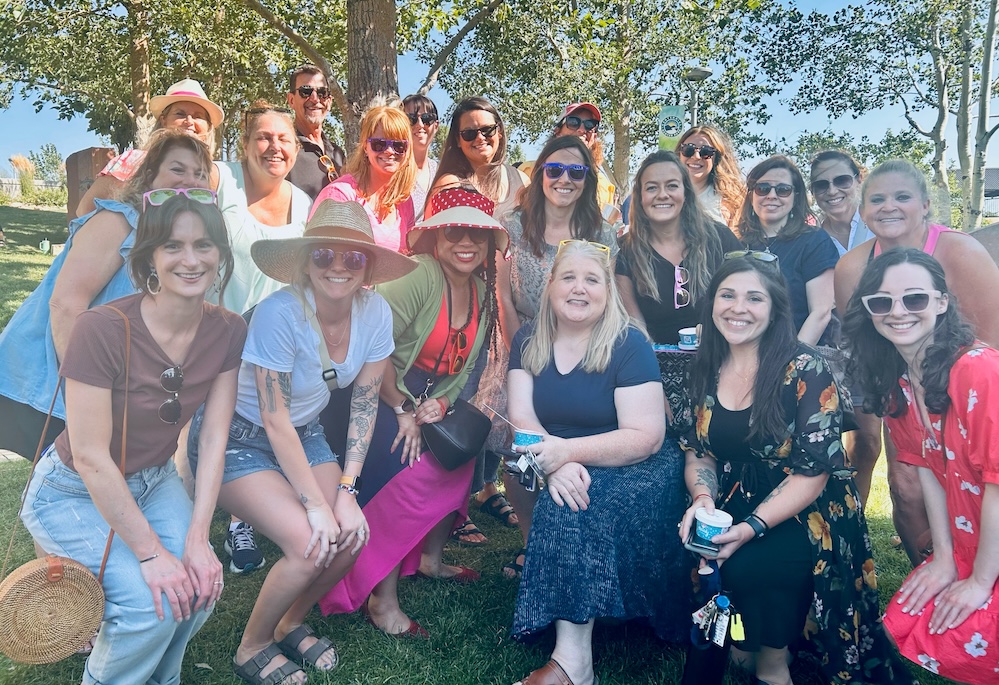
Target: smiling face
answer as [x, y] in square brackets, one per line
[563, 191]
[310, 112]
[662, 194]
[698, 167]
[772, 209]
[481, 150]
[894, 208]
[189, 116]
[186, 265]
[588, 137]
[336, 281]
[908, 331]
[579, 291]
[461, 259]
[423, 135]
[385, 163]
[272, 146]
[836, 203]
[741, 309]
[180, 168]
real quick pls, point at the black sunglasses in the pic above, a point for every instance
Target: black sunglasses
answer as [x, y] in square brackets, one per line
[554, 170]
[470, 134]
[427, 118]
[455, 234]
[782, 189]
[881, 305]
[843, 182]
[171, 380]
[705, 151]
[353, 260]
[573, 123]
[306, 92]
[381, 144]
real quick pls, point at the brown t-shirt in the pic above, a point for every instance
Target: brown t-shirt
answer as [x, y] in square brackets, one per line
[96, 356]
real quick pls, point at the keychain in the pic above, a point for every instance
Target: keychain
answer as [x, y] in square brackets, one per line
[720, 627]
[736, 629]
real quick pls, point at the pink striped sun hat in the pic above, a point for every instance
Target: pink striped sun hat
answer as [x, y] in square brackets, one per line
[187, 90]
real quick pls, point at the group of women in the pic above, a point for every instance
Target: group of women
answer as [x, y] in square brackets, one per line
[366, 325]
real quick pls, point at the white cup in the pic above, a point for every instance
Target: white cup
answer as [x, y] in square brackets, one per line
[709, 525]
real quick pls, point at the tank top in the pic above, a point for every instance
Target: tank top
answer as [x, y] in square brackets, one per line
[929, 247]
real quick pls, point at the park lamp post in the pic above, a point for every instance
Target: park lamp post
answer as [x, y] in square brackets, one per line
[693, 76]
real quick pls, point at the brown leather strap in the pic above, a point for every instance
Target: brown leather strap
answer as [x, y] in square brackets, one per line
[55, 568]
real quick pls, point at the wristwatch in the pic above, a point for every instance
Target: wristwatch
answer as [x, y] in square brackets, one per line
[350, 484]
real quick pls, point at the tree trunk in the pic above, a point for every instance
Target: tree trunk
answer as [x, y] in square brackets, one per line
[941, 183]
[138, 68]
[983, 134]
[963, 117]
[622, 147]
[371, 59]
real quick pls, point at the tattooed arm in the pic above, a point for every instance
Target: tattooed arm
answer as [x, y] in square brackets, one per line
[790, 496]
[701, 476]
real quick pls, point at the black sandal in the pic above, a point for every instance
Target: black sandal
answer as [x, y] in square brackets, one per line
[500, 509]
[467, 529]
[293, 640]
[251, 668]
[515, 569]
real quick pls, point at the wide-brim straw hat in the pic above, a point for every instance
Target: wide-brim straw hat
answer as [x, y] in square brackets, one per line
[462, 208]
[344, 224]
[187, 90]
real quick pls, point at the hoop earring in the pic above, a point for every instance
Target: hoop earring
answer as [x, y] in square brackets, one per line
[152, 277]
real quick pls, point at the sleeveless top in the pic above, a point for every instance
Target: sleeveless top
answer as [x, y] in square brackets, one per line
[932, 236]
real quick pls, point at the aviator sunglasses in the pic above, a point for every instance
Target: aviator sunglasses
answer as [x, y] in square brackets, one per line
[353, 260]
[705, 151]
[843, 182]
[171, 380]
[381, 144]
[427, 118]
[156, 197]
[881, 305]
[554, 170]
[782, 189]
[573, 123]
[470, 134]
[306, 92]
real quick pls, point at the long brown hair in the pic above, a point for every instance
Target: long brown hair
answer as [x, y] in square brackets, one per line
[453, 160]
[750, 228]
[160, 143]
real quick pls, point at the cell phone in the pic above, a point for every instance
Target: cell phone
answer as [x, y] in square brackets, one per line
[519, 466]
[699, 545]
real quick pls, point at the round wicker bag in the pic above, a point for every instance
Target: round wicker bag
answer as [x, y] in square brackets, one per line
[49, 608]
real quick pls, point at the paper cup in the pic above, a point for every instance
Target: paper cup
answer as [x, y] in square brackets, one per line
[688, 337]
[709, 525]
[523, 438]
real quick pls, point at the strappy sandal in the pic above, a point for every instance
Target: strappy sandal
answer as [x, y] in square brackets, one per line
[515, 569]
[500, 509]
[291, 642]
[462, 534]
[250, 670]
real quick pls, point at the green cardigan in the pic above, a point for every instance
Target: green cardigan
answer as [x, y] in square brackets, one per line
[416, 300]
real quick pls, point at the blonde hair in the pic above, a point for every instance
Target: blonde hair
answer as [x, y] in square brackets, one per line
[725, 176]
[609, 328]
[395, 126]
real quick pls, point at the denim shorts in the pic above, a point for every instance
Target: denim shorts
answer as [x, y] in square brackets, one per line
[249, 450]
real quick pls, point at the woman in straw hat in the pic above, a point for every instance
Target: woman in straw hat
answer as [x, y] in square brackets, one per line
[325, 329]
[444, 313]
[184, 107]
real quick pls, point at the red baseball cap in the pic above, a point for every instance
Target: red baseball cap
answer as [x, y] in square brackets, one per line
[569, 109]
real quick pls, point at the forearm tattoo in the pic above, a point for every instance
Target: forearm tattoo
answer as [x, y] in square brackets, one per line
[268, 398]
[363, 409]
[708, 478]
[776, 491]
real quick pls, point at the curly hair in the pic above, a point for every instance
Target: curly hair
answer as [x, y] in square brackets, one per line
[586, 219]
[725, 176]
[453, 160]
[395, 126]
[703, 247]
[160, 143]
[876, 364]
[799, 221]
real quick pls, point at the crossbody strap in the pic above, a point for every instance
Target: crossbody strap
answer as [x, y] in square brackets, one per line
[329, 373]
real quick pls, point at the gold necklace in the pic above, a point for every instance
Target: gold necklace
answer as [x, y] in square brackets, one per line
[343, 333]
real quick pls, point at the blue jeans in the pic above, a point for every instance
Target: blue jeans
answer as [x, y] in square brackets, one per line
[134, 646]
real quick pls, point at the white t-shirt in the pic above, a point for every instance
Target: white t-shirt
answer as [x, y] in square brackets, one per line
[280, 338]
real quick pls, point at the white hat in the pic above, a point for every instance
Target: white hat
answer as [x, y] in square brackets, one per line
[186, 90]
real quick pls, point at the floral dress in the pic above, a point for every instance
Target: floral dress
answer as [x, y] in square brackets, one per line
[970, 434]
[843, 623]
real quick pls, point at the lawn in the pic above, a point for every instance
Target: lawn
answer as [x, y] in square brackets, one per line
[469, 626]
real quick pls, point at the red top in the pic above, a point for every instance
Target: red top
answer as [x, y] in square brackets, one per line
[443, 335]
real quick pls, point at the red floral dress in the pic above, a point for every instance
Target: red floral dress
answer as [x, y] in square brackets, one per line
[970, 652]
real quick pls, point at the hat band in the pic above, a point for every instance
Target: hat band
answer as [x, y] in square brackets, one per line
[186, 92]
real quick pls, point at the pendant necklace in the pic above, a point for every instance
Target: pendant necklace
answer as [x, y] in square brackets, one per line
[343, 333]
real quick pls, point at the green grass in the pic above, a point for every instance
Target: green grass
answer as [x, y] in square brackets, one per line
[21, 264]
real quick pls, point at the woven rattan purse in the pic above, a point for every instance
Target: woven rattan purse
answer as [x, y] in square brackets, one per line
[50, 607]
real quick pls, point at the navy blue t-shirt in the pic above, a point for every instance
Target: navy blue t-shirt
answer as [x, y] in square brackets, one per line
[580, 403]
[801, 259]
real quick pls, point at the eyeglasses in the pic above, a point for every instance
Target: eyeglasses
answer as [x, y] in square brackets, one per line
[575, 241]
[782, 189]
[573, 123]
[843, 182]
[681, 296]
[455, 234]
[326, 163]
[457, 362]
[554, 170]
[306, 92]
[427, 118]
[171, 380]
[381, 144]
[881, 305]
[353, 260]
[156, 197]
[470, 134]
[705, 151]
[758, 255]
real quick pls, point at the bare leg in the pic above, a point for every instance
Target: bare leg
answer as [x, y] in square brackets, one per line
[863, 447]
[431, 563]
[574, 650]
[743, 659]
[772, 666]
[383, 606]
[908, 507]
[523, 503]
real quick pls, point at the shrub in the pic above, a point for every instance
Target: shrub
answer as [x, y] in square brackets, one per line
[25, 170]
[47, 197]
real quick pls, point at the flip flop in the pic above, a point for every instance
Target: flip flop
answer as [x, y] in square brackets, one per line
[500, 509]
[467, 529]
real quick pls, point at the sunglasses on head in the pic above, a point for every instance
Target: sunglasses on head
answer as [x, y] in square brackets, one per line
[259, 111]
[154, 198]
[881, 305]
[782, 189]
[705, 151]
[171, 380]
[326, 163]
[843, 182]
[455, 234]
[381, 144]
[306, 92]
[353, 260]
[427, 118]
[575, 241]
[758, 255]
[554, 170]
[470, 134]
[573, 123]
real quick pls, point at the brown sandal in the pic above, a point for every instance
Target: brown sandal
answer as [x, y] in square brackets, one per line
[551, 674]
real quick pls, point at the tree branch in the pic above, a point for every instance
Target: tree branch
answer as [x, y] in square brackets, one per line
[67, 90]
[558, 48]
[307, 48]
[908, 117]
[442, 57]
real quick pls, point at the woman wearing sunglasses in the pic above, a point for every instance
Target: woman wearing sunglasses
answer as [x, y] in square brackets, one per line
[444, 313]
[710, 159]
[91, 270]
[835, 180]
[170, 353]
[422, 114]
[776, 219]
[475, 153]
[281, 476]
[766, 449]
[895, 205]
[922, 369]
[381, 175]
[588, 382]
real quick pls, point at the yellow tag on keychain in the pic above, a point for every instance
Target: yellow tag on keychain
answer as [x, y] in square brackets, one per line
[736, 630]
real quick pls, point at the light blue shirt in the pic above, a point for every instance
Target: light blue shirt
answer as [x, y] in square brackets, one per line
[859, 233]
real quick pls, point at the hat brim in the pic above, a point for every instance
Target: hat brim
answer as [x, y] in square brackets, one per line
[160, 102]
[279, 258]
[464, 217]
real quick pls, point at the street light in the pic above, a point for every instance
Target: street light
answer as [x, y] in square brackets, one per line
[693, 77]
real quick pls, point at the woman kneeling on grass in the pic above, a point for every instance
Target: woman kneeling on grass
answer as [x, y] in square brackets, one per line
[280, 475]
[176, 352]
